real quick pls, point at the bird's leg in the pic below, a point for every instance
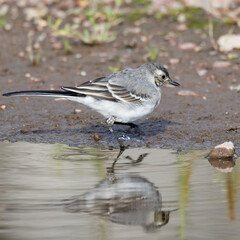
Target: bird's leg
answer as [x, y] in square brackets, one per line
[121, 139]
[111, 169]
[139, 159]
[110, 121]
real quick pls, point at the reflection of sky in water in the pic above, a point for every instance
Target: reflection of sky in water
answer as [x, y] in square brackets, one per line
[53, 191]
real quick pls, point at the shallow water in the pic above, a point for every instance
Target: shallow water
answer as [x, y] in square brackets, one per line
[57, 192]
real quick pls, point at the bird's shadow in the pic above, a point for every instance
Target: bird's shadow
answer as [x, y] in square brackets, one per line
[148, 127]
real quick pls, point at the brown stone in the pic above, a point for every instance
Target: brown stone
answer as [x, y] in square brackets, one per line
[224, 150]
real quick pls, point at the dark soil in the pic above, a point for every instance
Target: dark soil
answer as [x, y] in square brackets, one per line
[180, 122]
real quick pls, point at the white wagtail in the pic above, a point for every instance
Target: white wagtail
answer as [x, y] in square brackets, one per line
[121, 98]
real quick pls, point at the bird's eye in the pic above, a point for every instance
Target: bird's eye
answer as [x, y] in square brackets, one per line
[163, 77]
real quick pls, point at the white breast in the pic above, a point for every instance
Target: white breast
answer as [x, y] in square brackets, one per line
[123, 111]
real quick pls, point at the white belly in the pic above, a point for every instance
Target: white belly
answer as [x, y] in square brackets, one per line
[123, 112]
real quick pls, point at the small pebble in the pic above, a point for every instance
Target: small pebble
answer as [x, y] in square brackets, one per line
[3, 107]
[211, 78]
[35, 79]
[77, 111]
[57, 45]
[83, 73]
[97, 137]
[235, 88]
[78, 56]
[181, 18]
[221, 64]
[51, 68]
[187, 46]
[63, 59]
[213, 53]
[187, 93]
[21, 54]
[173, 61]
[4, 8]
[143, 38]
[130, 43]
[8, 27]
[27, 75]
[181, 27]
[202, 72]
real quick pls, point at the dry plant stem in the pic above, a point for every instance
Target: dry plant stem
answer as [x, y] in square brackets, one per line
[210, 33]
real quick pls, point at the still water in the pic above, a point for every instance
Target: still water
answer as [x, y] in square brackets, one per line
[58, 192]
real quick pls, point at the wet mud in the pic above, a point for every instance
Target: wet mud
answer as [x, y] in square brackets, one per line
[180, 122]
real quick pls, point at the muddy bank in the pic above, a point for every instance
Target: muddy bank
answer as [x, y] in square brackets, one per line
[209, 117]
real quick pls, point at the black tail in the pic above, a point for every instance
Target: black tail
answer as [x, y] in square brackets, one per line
[49, 93]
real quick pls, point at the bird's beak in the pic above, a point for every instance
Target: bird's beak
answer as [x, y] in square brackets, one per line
[173, 83]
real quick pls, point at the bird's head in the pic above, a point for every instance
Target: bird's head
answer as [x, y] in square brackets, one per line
[161, 75]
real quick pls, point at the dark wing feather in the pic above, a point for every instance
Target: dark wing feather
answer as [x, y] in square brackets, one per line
[96, 88]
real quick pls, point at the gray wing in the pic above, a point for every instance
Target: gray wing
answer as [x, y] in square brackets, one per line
[121, 86]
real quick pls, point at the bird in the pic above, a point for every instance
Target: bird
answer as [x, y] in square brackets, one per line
[121, 97]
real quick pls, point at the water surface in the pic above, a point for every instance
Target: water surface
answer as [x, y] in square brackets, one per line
[52, 191]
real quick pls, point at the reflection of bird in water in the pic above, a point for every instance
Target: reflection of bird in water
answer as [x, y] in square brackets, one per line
[128, 200]
[121, 151]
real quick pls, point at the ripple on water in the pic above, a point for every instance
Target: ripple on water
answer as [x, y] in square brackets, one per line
[58, 192]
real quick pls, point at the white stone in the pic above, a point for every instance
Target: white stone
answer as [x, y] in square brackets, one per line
[227, 145]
